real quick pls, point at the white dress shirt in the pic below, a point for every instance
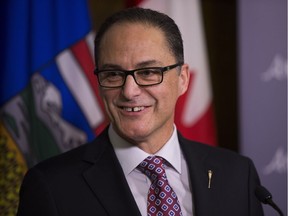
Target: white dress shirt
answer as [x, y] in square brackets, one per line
[130, 156]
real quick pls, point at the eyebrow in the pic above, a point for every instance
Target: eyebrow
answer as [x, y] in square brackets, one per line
[148, 63]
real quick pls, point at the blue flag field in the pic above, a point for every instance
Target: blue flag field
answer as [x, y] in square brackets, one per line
[48, 96]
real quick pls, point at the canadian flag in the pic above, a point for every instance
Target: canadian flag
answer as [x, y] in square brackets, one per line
[194, 112]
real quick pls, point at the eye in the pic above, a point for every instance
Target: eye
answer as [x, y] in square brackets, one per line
[149, 72]
[112, 75]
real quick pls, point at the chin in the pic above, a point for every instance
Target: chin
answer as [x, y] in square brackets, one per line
[134, 134]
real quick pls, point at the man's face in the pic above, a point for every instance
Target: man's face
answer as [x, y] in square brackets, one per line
[141, 115]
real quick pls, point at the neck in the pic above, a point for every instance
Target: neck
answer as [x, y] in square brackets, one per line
[154, 142]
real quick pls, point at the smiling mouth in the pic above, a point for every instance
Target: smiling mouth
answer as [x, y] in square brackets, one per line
[133, 109]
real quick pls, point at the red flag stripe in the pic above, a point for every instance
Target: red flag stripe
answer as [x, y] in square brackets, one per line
[83, 56]
[133, 3]
[203, 130]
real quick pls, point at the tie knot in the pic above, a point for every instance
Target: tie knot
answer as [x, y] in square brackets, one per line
[153, 167]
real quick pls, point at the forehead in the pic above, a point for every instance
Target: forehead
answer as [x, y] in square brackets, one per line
[134, 40]
[137, 30]
[128, 25]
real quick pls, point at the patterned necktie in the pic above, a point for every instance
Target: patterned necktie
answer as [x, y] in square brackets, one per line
[162, 200]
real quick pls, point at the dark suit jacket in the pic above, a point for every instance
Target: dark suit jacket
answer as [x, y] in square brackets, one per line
[89, 181]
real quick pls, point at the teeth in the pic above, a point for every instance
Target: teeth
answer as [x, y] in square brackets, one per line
[133, 109]
[137, 109]
[128, 109]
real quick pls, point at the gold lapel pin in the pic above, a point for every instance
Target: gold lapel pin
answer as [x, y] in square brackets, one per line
[210, 173]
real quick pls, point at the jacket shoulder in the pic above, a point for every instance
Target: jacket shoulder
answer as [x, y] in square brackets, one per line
[214, 153]
[77, 158]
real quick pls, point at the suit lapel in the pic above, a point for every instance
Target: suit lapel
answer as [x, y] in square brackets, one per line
[107, 181]
[196, 156]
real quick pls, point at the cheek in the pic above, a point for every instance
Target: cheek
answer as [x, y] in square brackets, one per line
[173, 87]
[168, 95]
[108, 95]
[107, 98]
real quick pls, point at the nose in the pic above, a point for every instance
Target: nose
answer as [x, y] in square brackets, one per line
[131, 89]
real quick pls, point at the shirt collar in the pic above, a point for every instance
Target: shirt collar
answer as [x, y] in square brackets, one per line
[130, 156]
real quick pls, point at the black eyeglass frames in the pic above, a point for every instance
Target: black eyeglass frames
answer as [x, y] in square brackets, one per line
[115, 78]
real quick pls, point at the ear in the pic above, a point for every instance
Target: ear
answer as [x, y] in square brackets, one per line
[184, 78]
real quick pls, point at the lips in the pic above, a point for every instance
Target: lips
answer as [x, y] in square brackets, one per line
[133, 109]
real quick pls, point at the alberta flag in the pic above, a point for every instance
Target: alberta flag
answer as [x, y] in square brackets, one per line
[48, 96]
[194, 112]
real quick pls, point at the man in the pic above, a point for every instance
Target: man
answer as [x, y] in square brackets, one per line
[141, 72]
